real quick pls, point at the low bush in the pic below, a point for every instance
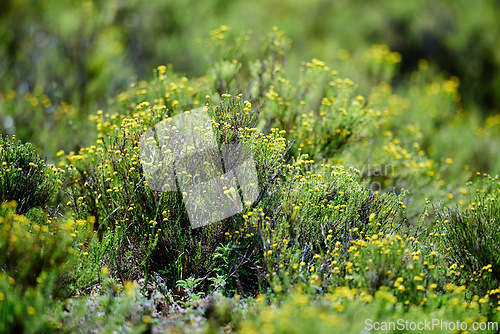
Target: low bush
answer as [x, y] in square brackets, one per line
[35, 271]
[139, 229]
[24, 177]
[471, 234]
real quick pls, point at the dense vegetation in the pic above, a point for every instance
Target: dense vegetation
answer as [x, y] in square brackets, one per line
[377, 167]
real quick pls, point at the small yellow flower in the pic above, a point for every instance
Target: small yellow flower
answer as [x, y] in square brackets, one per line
[162, 69]
[339, 307]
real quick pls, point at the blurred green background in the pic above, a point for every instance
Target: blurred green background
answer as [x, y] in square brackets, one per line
[61, 60]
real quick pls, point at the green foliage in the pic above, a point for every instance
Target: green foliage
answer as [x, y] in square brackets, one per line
[472, 234]
[62, 59]
[110, 308]
[30, 249]
[24, 177]
[35, 274]
[38, 273]
[349, 310]
[139, 229]
[317, 213]
[347, 171]
[316, 224]
[30, 310]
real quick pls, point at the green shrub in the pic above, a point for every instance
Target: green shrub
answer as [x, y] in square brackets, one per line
[35, 271]
[472, 234]
[139, 229]
[24, 177]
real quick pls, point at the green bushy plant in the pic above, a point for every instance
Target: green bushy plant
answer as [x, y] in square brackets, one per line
[39, 272]
[24, 177]
[318, 214]
[35, 271]
[136, 228]
[471, 234]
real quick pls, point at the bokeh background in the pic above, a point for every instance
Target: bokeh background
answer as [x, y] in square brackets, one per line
[61, 60]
